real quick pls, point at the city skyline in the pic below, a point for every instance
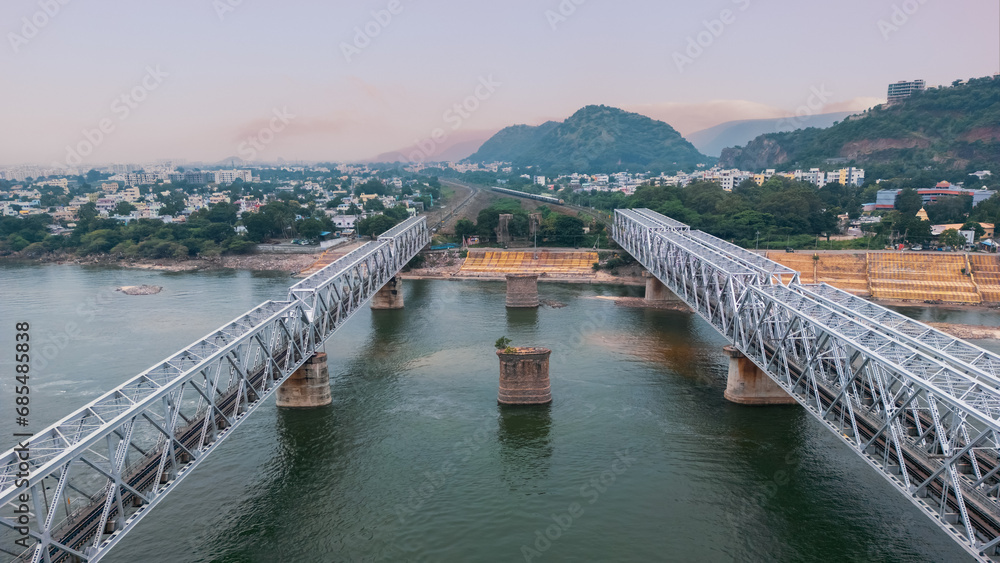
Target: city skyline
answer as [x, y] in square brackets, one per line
[202, 80]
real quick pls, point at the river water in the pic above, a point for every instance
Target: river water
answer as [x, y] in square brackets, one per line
[639, 458]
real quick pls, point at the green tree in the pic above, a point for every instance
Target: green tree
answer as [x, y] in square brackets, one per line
[375, 226]
[953, 238]
[310, 228]
[974, 226]
[464, 228]
[908, 202]
[124, 208]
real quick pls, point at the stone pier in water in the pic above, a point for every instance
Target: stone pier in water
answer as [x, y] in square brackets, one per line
[390, 296]
[748, 385]
[656, 292]
[522, 291]
[524, 376]
[308, 387]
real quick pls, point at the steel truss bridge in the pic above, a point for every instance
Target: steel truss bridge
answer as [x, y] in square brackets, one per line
[920, 407]
[97, 472]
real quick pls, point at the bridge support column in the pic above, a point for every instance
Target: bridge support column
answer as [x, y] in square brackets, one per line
[308, 387]
[390, 296]
[748, 385]
[655, 290]
[522, 291]
[524, 376]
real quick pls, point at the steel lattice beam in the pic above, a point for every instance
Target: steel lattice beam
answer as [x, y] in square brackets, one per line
[110, 462]
[920, 407]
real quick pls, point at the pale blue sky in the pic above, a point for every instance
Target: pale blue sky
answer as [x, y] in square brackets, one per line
[227, 75]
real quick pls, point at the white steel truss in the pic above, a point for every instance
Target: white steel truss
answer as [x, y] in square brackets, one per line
[920, 407]
[96, 473]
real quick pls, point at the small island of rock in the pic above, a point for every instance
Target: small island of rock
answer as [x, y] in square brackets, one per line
[140, 289]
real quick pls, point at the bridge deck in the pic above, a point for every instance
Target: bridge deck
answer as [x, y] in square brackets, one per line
[920, 407]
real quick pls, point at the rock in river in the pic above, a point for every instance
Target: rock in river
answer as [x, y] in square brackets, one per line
[140, 289]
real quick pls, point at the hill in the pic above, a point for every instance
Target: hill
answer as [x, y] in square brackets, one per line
[955, 127]
[594, 139]
[713, 140]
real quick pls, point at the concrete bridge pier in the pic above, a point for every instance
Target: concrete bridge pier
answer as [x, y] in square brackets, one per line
[390, 296]
[749, 385]
[522, 291]
[308, 387]
[656, 292]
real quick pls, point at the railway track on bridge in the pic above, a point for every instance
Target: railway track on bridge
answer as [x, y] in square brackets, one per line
[918, 406]
[111, 462]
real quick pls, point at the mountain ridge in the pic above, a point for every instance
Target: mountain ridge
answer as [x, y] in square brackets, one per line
[596, 138]
[956, 127]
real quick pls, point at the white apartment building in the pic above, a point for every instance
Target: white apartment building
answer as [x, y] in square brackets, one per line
[230, 176]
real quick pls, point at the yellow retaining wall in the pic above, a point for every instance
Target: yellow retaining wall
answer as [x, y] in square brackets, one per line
[552, 263]
[921, 277]
[986, 274]
[902, 276]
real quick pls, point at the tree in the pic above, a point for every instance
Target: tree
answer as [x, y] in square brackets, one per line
[464, 228]
[374, 204]
[124, 208]
[310, 228]
[952, 238]
[258, 226]
[568, 230]
[374, 226]
[974, 226]
[908, 202]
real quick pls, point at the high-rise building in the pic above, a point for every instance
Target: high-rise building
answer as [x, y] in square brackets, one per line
[903, 89]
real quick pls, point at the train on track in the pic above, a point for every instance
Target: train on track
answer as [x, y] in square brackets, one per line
[538, 197]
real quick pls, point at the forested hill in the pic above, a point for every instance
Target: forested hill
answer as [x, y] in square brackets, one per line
[956, 127]
[594, 139]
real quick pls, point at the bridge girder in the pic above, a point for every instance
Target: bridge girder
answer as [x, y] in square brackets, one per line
[920, 407]
[108, 464]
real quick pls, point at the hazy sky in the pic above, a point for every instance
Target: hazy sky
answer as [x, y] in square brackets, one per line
[208, 74]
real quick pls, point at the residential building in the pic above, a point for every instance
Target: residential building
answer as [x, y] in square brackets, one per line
[903, 89]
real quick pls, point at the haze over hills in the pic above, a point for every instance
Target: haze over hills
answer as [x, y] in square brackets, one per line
[957, 127]
[713, 140]
[594, 139]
